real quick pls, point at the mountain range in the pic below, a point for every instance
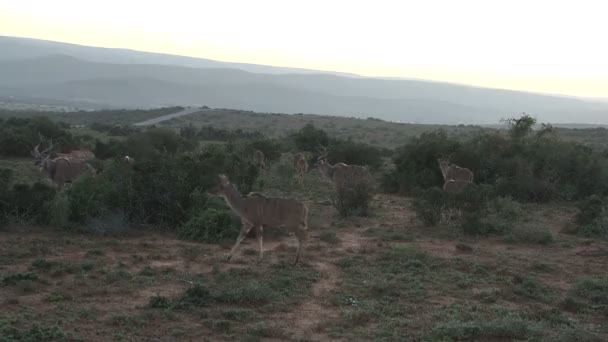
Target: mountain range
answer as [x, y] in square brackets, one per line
[93, 77]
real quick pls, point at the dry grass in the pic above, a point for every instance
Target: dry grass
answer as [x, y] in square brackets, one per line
[365, 284]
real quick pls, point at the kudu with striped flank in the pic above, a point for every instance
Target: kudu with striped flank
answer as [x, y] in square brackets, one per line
[341, 173]
[257, 211]
[301, 166]
[456, 178]
[62, 169]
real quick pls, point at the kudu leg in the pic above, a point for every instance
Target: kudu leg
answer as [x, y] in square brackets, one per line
[259, 230]
[244, 230]
[301, 235]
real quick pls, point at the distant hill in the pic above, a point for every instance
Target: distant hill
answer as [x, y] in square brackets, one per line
[65, 78]
[14, 48]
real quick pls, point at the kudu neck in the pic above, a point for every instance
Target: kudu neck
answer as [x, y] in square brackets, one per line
[328, 169]
[233, 198]
[444, 169]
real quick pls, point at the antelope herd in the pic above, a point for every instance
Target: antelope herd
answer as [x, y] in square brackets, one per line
[255, 210]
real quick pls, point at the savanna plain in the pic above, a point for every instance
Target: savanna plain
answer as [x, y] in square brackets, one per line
[138, 252]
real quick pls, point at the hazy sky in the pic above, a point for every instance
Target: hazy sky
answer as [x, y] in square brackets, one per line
[546, 46]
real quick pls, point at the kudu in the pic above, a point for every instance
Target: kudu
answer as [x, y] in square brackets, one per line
[454, 172]
[259, 159]
[341, 173]
[257, 211]
[60, 170]
[77, 154]
[301, 166]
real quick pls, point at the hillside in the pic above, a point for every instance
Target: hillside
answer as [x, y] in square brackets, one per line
[90, 84]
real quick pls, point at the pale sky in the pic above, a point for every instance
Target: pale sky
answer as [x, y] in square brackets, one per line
[545, 46]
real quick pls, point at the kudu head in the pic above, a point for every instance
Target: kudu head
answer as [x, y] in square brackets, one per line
[223, 185]
[41, 159]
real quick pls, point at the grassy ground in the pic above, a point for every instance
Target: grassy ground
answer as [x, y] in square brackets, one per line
[382, 278]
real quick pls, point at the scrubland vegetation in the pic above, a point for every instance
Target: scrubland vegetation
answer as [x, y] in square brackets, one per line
[137, 252]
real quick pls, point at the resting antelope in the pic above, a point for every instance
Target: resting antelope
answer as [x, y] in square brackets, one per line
[60, 170]
[129, 159]
[257, 211]
[340, 173]
[301, 166]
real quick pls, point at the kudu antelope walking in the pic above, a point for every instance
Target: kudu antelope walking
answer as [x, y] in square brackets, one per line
[340, 173]
[456, 178]
[301, 166]
[60, 170]
[455, 172]
[257, 211]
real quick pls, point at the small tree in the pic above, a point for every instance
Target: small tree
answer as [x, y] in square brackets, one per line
[309, 138]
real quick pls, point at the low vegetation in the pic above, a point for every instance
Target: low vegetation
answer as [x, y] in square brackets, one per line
[138, 251]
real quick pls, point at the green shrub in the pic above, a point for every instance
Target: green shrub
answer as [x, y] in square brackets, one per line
[592, 218]
[353, 197]
[531, 288]
[354, 153]
[250, 292]
[310, 138]
[590, 209]
[330, 237]
[14, 278]
[597, 228]
[525, 165]
[211, 225]
[159, 302]
[429, 206]
[60, 210]
[168, 189]
[30, 202]
[593, 289]
[36, 333]
[270, 147]
[197, 295]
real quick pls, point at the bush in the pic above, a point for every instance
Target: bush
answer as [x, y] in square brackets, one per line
[354, 153]
[353, 197]
[270, 147]
[168, 189]
[211, 225]
[29, 203]
[197, 295]
[60, 211]
[593, 289]
[522, 165]
[590, 209]
[310, 138]
[429, 206]
[592, 218]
